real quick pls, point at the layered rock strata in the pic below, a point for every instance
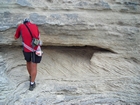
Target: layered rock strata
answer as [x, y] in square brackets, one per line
[97, 60]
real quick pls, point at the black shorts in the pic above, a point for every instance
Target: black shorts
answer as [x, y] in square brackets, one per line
[32, 57]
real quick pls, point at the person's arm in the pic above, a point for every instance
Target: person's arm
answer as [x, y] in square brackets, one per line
[17, 34]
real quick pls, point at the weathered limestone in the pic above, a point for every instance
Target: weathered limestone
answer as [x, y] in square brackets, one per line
[107, 72]
[107, 24]
[66, 76]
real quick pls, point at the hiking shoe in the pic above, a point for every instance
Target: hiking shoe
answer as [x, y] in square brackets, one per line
[31, 88]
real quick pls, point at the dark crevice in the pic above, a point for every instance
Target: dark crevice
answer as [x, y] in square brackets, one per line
[95, 49]
[77, 52]
[92, 48]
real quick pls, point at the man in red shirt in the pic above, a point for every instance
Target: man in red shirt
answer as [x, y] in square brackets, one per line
[29, 51]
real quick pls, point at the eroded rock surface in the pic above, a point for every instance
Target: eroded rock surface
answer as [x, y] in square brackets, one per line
[68, 76]
[110, 24]
[97, 61]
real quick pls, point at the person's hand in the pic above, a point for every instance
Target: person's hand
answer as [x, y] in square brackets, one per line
[39, 53]
[15, 37]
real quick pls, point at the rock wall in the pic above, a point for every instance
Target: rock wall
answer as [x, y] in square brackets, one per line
[109, 24]
[107, 30]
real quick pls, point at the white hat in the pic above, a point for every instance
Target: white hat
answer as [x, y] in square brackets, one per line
[26, 20]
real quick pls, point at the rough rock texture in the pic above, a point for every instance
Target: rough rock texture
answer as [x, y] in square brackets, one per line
[96, 60]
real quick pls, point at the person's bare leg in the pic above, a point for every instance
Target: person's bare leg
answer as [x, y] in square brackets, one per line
[33, 71]
[28, 64]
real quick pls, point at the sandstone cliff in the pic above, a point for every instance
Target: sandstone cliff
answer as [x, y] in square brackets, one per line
[91, 52]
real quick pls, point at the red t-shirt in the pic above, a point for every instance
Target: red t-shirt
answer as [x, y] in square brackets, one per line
[25, 34]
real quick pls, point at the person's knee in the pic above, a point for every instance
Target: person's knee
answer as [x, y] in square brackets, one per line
[34, 64]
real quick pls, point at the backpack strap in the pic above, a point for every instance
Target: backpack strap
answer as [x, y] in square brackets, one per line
[28, 47]
[29, 30]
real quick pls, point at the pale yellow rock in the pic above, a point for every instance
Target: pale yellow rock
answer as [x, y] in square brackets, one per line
[107, 72]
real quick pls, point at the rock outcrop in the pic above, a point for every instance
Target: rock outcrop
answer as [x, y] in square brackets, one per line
[91, 52]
